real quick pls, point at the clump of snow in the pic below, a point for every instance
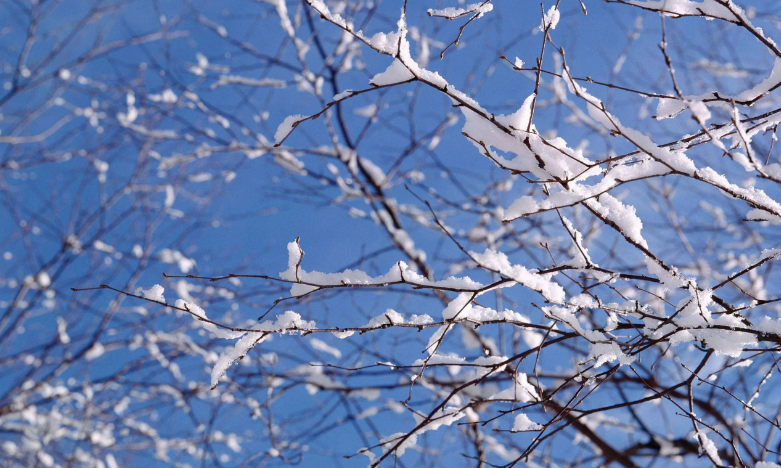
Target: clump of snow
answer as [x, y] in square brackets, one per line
[43, 279]
[671, 279]
[324, 347]
[707, 446]
[551, 18]
[395, 73]
[97, 350]
[155, 293]
[228, 357]
[623, 216]
[287, 126]
[168, 96]
[522, 423]
[769, 325]
[200, 315]
[479, 9]
[710, 8]
[498, 262]
[667, 108]
[308, 281]
[343, 95]
[174, 256]
[289, 322]
[520, 208]
[245, 81]
[366, 111]
[609, 352]
[387, 43]
[521, 390]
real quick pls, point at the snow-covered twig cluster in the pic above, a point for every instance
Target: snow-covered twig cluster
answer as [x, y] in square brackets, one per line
[544, 273]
